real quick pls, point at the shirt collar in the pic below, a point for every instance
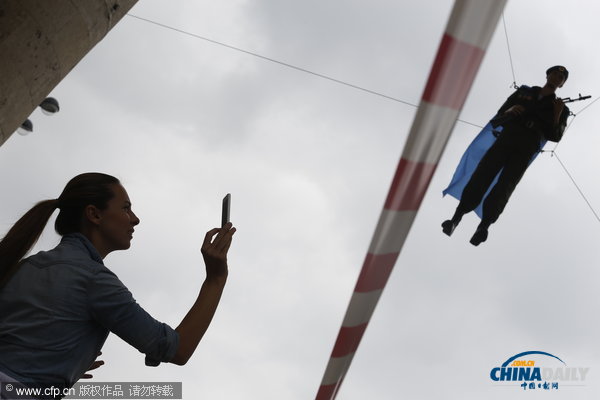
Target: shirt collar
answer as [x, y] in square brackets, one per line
[538, 90]
[80, 241]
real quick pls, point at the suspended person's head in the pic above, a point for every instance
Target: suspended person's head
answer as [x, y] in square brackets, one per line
[557, 76]
[93, 204]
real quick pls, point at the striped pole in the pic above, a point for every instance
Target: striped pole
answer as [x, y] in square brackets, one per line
[467, 35]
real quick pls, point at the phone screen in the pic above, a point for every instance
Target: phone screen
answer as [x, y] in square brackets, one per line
[226, 208]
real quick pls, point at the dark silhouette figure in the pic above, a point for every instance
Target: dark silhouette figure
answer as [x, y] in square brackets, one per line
[57, 307]
[528, 117]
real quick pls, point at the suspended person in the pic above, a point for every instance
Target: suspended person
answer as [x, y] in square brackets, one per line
[57, 307]
[529, 117]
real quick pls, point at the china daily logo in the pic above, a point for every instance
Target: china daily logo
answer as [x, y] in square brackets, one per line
[538, 370]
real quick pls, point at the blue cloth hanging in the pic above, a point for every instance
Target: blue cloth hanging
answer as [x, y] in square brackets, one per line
[469, 161]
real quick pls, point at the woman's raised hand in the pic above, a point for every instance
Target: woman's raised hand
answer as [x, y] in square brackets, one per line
[214, 250]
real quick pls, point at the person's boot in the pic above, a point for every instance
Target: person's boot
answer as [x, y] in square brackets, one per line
[480, 235]
[449, 225]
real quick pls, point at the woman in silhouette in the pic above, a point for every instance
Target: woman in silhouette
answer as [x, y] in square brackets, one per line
[57, 307]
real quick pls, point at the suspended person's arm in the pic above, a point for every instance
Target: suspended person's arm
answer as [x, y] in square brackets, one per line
[552, 119]
[196, 322]
[511, 101]
[509, 109]
[561, 114]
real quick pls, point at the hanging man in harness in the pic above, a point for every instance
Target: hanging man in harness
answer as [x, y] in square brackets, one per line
[528, 118]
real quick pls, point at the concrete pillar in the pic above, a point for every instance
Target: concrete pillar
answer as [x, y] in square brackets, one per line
[40, 42]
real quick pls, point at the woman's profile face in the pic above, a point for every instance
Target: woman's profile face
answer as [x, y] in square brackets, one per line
[116, 223]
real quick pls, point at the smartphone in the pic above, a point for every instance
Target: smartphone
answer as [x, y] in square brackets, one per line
[226, 208]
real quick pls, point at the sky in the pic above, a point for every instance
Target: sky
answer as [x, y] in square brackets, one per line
[308, 161]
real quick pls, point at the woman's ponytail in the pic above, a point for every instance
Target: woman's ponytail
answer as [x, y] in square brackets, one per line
[22, 236]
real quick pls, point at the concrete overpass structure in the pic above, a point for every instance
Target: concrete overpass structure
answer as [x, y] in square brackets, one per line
[40, 42]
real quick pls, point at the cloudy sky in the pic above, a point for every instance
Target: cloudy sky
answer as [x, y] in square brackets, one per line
[308, 162]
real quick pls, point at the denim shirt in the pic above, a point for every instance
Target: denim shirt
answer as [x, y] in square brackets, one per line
[58, 309]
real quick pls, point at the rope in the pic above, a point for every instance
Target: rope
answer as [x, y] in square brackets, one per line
[514, 85]
[288, 65]
[554, 154]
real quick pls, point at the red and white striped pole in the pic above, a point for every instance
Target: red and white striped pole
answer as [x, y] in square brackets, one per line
[468, 33]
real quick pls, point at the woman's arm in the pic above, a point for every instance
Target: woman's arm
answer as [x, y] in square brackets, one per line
[196, 322]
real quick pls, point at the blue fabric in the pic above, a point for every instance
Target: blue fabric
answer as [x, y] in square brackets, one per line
[469, 161]
[58, 309]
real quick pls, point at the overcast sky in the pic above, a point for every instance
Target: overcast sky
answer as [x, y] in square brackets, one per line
[309, 162]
